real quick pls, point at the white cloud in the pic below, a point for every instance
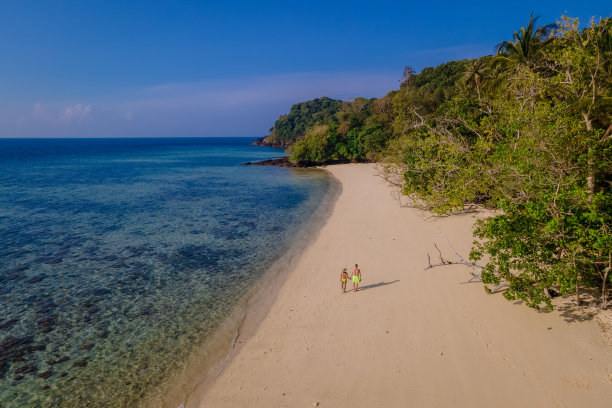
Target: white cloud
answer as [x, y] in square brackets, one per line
[38, 108]
[244, 106]
[293, 87]
[40, 111]
[54, 112]
[75, 112]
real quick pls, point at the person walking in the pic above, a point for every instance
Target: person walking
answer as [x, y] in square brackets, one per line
[343, 278]
[356, 278]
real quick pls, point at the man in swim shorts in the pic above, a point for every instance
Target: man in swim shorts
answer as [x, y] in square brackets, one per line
[356, 278]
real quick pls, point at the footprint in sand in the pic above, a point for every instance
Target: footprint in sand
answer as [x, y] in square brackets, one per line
[578, 382]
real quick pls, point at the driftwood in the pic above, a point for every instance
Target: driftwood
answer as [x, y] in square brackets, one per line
[461, 261]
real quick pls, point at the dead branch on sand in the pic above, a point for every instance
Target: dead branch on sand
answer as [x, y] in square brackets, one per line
[461, 261]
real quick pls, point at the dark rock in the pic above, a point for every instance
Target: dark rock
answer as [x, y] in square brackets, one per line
[46, 308]
[14, 276]
[26, 369]
[12, 349]
[46, 387]
[18, 378]
[64, 374]
[11, 342]
[58, 361]
[285, 162]
[279, 162]
[8, 324]
[46, 329]
[137, 265]
[31, 349]
[45, 374]
[87, 346]
[80, 363]
[263, 141]
[71, 244]
[100, 292]
[135, 251]
[47, 322]
[36, 279]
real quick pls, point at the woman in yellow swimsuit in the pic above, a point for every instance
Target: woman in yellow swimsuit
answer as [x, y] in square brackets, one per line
[343, 278]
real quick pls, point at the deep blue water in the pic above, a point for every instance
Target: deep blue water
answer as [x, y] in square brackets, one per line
[119, 256]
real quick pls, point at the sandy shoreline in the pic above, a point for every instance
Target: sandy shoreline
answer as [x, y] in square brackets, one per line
[410, 337]
[208, 359]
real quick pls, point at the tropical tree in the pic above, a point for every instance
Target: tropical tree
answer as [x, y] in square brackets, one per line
[475, 73]
[526, 44]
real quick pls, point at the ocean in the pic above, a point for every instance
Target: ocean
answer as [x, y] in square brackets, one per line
[120, 258]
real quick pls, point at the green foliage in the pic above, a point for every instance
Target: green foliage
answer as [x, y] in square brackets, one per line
[375, 139]
[441, 78]
[534, 149]
[316, 147]
[362, 128]
[526, 133]
[526, 43]
[421, 94]
[293, 126]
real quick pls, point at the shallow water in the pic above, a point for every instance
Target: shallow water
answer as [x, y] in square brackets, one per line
[118, 257]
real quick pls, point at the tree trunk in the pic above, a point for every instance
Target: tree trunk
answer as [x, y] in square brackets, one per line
[547, 293]
[577, 292]
[590, 177]
[604, 288]
[587, 120]
[577, 276]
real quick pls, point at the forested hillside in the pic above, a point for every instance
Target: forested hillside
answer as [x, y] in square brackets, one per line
[291, 127]
[526, 132]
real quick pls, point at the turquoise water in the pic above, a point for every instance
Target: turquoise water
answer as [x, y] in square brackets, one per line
[119, 256]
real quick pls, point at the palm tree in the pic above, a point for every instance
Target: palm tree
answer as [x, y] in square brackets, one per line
[475, 73]
[526, 43]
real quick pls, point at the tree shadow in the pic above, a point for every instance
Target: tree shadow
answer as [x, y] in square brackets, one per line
[375, 285]
[572, 313]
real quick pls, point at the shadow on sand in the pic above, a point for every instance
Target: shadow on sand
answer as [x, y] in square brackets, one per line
[375, 285]
[572, 313]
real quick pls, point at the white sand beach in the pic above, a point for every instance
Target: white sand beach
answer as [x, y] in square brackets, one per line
[409, 337]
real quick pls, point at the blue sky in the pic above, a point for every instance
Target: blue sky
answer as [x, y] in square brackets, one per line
[208, 68]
